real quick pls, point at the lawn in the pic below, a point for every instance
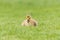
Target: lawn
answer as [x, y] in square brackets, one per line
[46, 12]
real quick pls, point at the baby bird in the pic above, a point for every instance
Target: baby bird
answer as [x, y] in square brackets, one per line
[29, 21]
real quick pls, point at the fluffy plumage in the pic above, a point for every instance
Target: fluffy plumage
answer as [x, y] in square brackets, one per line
[29, 21]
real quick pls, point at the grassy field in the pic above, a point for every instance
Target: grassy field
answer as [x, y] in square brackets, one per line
[46, 12]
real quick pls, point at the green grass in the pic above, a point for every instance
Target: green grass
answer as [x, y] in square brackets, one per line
[46, 12]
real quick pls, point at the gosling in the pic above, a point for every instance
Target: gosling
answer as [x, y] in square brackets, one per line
[29, 21]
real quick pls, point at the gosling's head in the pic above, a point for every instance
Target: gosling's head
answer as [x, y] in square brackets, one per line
[28, 17]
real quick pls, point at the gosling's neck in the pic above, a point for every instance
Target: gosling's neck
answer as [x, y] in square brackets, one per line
[28, 20]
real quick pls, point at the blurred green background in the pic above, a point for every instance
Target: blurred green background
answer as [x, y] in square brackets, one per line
[46, 12]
